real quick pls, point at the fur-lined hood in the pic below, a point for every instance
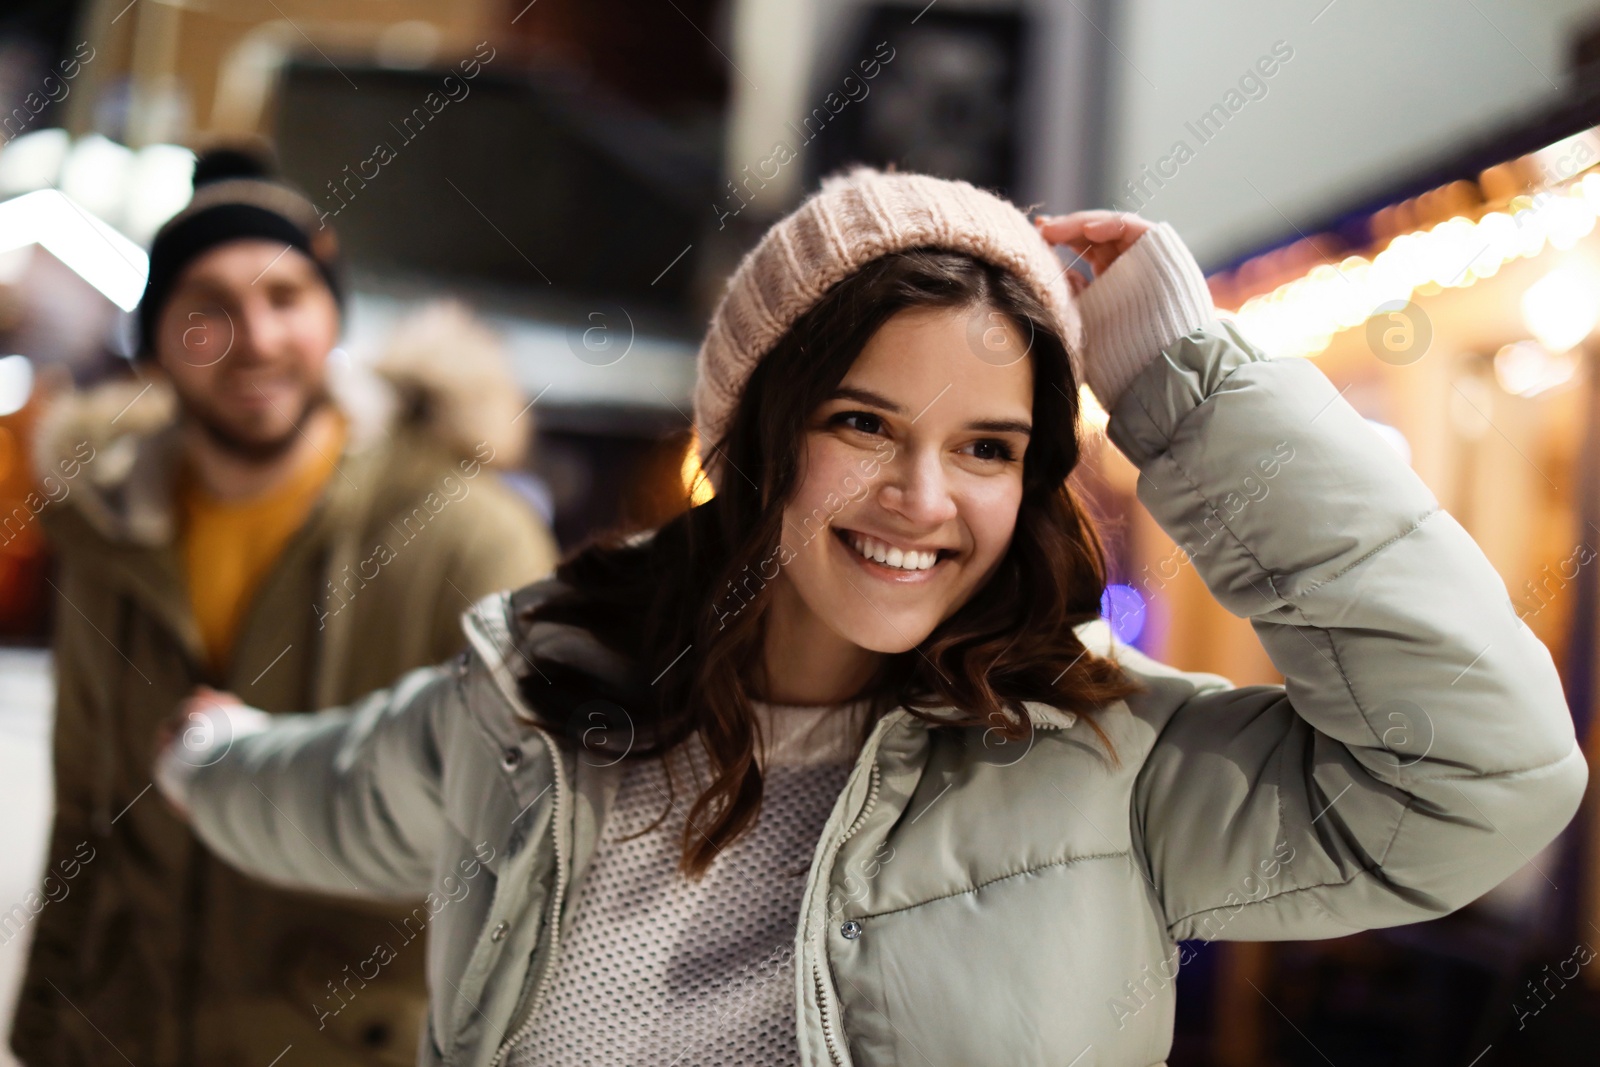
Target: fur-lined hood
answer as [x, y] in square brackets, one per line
[443, 374]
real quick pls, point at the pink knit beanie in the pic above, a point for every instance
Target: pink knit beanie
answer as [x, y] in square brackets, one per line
[854, 218]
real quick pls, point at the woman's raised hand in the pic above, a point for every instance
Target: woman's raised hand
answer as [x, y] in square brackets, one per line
[1098, 236]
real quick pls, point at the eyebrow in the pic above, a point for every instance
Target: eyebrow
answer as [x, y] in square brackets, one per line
[867, 396]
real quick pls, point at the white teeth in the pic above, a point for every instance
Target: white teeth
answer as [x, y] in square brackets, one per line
[890, 556]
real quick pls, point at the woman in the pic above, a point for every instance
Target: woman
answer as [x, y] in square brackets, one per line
[841, 766]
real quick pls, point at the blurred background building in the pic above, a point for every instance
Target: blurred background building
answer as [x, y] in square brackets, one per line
[1405, 192]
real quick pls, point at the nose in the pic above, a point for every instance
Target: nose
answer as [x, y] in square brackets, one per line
[254, 329]
[917, 488]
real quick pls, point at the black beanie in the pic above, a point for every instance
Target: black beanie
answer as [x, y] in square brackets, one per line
[234, 198]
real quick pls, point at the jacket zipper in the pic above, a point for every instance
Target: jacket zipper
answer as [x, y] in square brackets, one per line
[822, 1012]
[874, 784]
[558, 825]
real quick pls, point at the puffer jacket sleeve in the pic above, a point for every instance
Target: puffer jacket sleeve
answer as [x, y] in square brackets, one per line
[345, 800]
[1420, 750]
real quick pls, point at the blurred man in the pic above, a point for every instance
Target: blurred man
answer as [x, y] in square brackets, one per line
[239, 518]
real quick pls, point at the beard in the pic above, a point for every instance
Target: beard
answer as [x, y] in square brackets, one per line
[227, 437]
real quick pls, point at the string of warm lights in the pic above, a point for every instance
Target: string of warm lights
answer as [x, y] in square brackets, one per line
[1300, 318]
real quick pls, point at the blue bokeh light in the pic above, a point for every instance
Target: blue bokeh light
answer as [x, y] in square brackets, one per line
[1124, 608]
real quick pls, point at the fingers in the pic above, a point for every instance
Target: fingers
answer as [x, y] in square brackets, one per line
[1098, 257]
[1096, 225]
[1117, 230]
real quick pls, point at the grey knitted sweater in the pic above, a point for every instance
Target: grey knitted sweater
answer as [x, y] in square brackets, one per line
[662, 970]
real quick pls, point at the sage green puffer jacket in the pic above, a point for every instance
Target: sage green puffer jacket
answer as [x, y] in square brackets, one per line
[974, 904]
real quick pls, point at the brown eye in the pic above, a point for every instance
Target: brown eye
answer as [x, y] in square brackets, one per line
[991, 449]
[870, 423]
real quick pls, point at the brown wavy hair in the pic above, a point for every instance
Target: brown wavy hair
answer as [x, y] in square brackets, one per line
[666, 602]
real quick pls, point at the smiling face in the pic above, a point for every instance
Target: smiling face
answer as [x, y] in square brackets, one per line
[915, 460]
[245, 338]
